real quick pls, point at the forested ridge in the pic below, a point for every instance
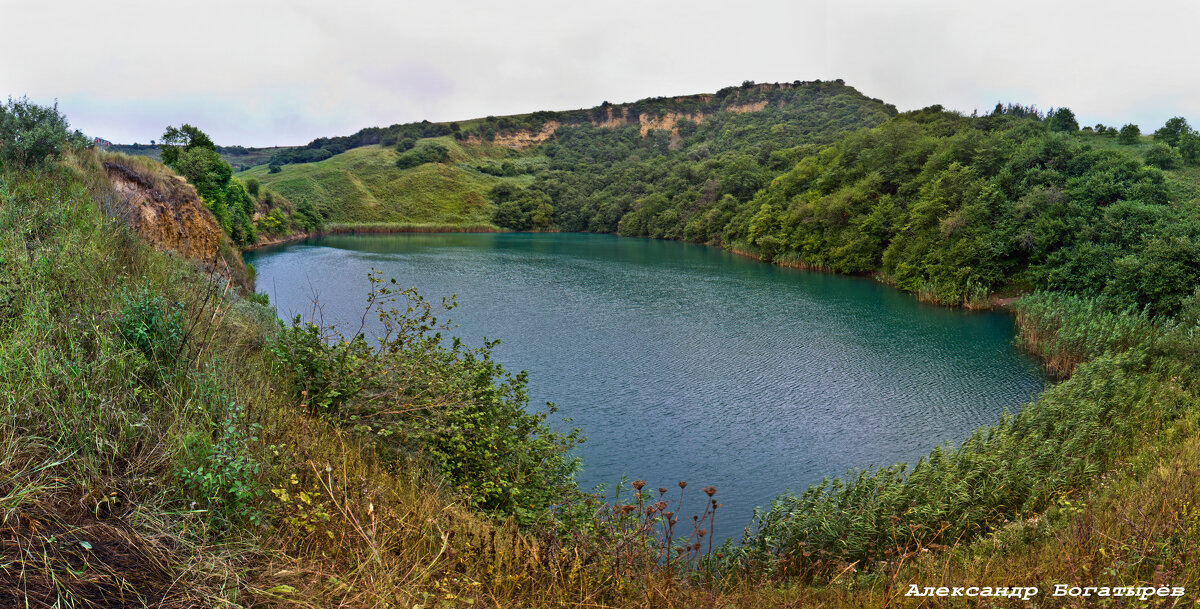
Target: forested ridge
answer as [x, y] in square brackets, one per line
[955, 208]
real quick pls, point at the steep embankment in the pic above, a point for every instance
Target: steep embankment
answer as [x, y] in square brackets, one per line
[166, 211]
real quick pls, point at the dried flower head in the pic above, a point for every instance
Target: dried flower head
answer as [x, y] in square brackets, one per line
[710, 490]
[682, 484]
[638, 484]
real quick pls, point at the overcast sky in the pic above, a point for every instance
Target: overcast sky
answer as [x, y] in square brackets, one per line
[282, 73]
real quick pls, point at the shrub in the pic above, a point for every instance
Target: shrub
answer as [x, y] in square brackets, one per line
[30, 134]
[426, 153]
[152, 325]
[1163, 156]
[1130, 134]
[220, 472]
[405, 144]
[415, 394]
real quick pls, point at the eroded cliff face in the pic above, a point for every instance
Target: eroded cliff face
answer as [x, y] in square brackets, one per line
[667, 122]
[523, 139]
[751, 107]
[618, 116]
[167, 212]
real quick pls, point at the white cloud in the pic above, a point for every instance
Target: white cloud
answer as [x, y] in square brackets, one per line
[276, 72]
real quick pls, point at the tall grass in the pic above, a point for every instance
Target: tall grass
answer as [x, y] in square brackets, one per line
[1065, 330]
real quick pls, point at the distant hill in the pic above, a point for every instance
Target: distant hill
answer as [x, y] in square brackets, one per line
[239, 157]
[463, 172]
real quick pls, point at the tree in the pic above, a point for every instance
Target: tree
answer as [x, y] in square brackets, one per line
[190, 151]
[177, 140]
[1172, 131]
[205, 169]
[432, 152]
[1189, 146]
[522, 210]
[1062, 119]
[1130, 134]
[30, 134]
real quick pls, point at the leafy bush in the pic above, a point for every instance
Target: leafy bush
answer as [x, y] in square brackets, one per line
[220, 471]
[412, 393]
[522, 210]
[425, 153]
[31, 134]
[1130, 134]
[1163, 156]
[154, 326]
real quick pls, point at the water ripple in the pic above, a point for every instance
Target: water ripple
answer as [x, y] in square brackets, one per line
[682, 362]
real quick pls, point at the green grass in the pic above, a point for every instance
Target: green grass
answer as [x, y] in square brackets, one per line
[363, 185]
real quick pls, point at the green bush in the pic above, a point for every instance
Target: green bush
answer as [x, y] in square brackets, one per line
[425, 153]
[31, 134]
[415, 394]
[1163, 156]
[153, 325]
[220, 472]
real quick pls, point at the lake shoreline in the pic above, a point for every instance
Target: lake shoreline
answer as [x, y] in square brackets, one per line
[994, 300]
[374, 229]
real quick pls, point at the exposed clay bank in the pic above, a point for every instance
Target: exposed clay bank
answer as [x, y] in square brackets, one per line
[685, 362]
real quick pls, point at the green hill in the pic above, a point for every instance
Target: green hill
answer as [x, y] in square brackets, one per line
[740, 136]
[364, 186]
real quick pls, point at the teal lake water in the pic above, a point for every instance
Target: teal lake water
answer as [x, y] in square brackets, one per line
[684, 362]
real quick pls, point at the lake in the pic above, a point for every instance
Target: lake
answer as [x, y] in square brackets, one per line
[685, 362]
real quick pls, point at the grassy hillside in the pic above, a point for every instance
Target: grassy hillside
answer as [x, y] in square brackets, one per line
[363, 186]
